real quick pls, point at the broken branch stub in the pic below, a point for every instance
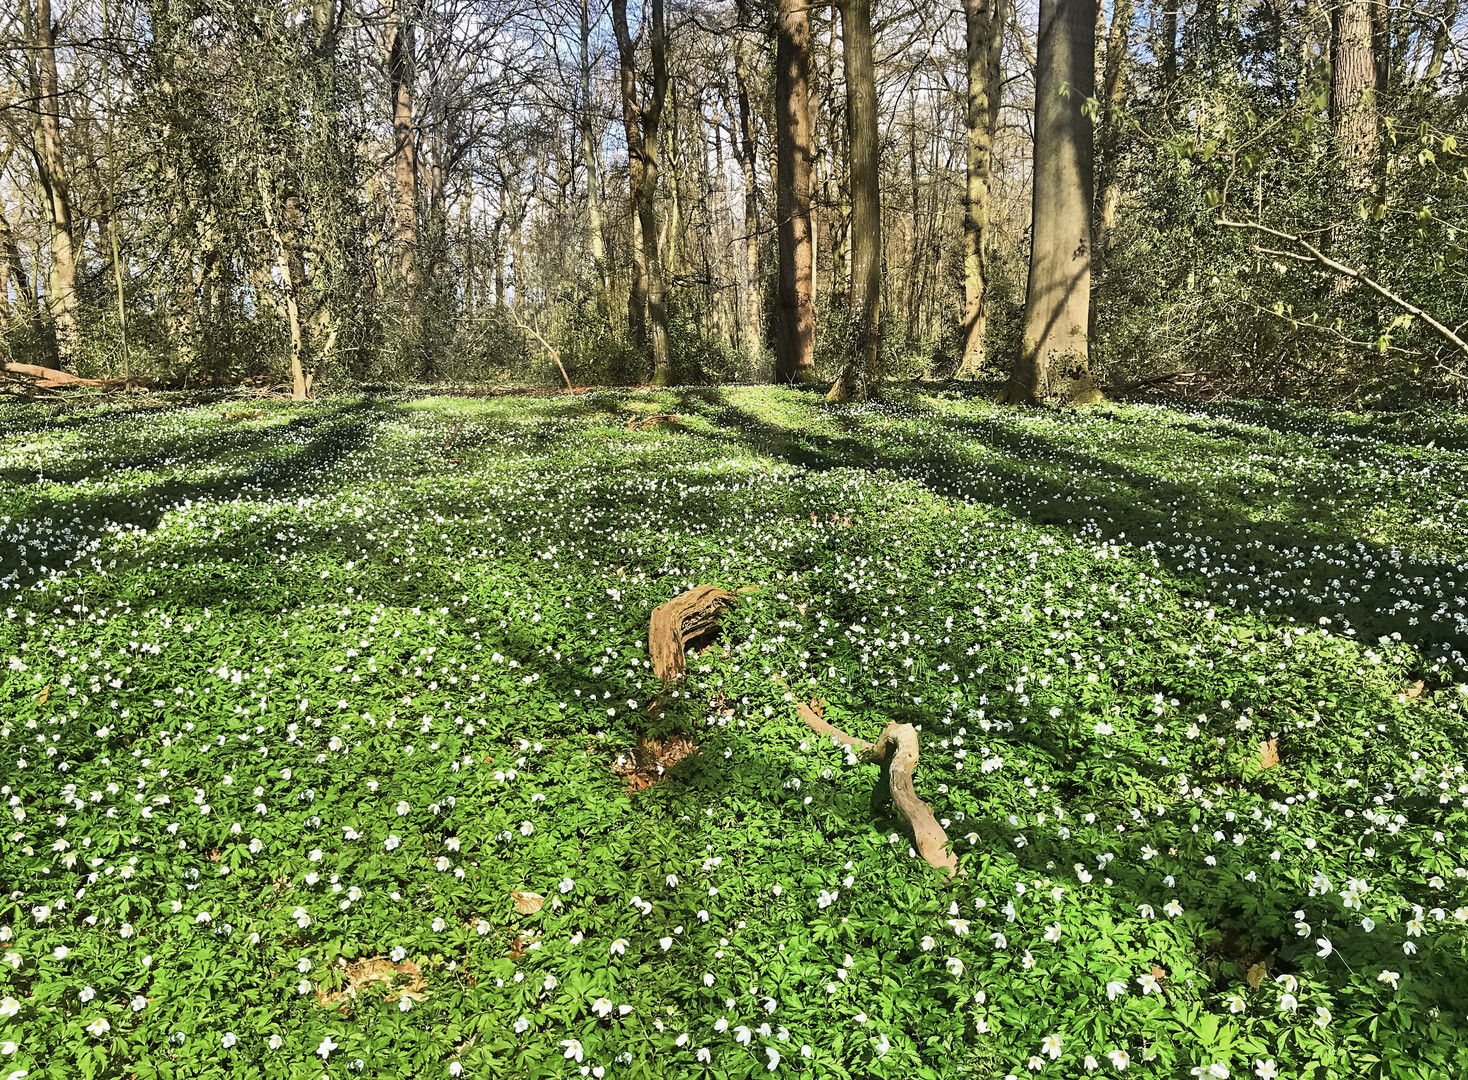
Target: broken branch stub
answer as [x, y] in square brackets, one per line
[684, 621]
[896, 750]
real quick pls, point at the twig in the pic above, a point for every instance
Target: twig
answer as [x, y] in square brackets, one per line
[556, 356]
[448, 444]
[818, 725]
[1152, 380]
[1315, 255]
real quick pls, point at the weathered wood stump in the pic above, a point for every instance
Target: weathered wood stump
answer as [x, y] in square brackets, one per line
[686, 620]
[896, 750]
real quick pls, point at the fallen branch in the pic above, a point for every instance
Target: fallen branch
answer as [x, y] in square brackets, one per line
[896, 750]
[554, 353]
[683, 621]
[455, 434]
[1151, 380]
[45, 378]
[1318, 257]
[819, 725]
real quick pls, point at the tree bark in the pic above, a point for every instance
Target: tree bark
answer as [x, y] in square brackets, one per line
[748, 157]
[292, 274]
[1054, 360]
[722, 236]
[984, 25]
[859, 372]
[1354, 82]
[12, 269]
[1167, 47]
[592, 158]
[405, 143]
[63, 303]
[1440, 39]
[641, 122]
[673, 248]
[110, 227]
[795, 352]
[1113, 93]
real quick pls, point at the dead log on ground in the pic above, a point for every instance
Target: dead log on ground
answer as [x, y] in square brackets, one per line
[896, 750]
[45, 378]
[687, 620]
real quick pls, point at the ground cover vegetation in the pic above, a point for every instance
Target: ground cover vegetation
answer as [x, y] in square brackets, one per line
[317, 720]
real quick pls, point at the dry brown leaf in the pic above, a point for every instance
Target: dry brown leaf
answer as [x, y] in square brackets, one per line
[651, 421]
[527, 903]
[378, 969]
[1268, 753]
[1256, 975]
[652, 760]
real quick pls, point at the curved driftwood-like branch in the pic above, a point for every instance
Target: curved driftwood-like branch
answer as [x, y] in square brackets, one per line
[896, 750]
[860, 747]
[683, 621]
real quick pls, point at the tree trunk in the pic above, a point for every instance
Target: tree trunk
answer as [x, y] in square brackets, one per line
[721, 231]
[292, 273]
[984, 24]
[1054, 361]
[111, 184]
[860, 372]
[753, 315]
[1167, 59]
[1113, 91]
[641, 123]
[405, 144]
[675, 230]
[1440, 39]
[63, 302]
[1353, 86]
[10, 266]
[795, 354]
[589, 152]
[12, 269]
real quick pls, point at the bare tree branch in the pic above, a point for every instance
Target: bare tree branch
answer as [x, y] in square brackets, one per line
[1315, 255]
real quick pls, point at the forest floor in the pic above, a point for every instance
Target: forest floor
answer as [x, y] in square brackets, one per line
[317, 724]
